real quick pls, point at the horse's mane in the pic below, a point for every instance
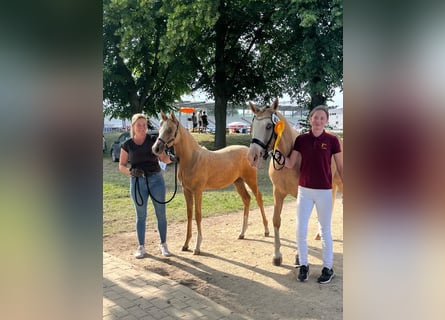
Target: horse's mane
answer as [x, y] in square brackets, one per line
[184, 132]
[279, 113]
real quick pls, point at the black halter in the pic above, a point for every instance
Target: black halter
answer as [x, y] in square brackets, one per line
[273, 135]
[166, 144]
[277, 157]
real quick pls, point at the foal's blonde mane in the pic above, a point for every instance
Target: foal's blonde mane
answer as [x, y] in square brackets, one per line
[189, 143]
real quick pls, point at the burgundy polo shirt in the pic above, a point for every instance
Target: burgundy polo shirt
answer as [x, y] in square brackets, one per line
[316, 154]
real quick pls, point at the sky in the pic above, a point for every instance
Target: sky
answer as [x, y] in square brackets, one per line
[337, 100]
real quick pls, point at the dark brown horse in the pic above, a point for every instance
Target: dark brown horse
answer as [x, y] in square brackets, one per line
[284, 180]
[200, 169]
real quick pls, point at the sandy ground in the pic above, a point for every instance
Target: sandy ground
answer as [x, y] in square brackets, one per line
[239, 274]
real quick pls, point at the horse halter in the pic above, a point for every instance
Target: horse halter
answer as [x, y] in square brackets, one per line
[273, 135]
[166, 144]
[278, 159]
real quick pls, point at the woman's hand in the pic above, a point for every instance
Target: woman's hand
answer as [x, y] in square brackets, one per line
[164, 157]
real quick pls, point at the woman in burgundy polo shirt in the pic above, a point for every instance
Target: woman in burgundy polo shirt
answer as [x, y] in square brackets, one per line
[314, 151]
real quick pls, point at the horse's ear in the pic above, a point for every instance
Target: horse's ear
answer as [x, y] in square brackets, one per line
[163, 116]
[172, 116]
[275, 104]
[253, 107]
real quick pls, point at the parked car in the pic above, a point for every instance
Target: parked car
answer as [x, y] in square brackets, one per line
[115, 149]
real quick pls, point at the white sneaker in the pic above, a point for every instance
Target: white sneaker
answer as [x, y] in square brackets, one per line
[164, 249]
[140, 252]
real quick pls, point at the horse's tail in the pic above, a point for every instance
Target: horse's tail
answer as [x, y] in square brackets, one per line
[247, 187]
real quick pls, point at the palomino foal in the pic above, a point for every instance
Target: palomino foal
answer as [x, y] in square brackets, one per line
[200, 169]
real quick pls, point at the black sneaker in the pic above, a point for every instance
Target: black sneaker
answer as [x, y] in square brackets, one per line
[304, 273]
[326, 275]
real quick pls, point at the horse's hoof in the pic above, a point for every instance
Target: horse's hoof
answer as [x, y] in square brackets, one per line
[241, 236]
[266, 234]
[277, 261]
[185, 248]
[317, 237]
[196, 252]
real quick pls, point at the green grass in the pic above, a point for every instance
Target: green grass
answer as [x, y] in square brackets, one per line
[119, 216]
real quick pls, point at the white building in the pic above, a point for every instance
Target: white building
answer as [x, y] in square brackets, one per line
[336, 118]
[115, 124]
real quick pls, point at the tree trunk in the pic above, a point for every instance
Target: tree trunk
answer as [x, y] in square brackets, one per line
[221, 89]
[316, 100]
[220, 120]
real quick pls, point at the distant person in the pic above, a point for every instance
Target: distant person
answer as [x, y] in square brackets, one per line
[146, 181]
[205, 121]
[200, 120]
[315, 150]
[194, 121]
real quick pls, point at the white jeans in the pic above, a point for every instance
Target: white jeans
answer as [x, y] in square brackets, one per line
[322, 199]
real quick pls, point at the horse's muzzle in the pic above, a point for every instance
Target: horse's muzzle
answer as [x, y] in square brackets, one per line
[159, 146]
[254, 155]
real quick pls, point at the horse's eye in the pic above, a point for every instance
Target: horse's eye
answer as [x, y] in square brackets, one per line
[269, 126]
[169, 130]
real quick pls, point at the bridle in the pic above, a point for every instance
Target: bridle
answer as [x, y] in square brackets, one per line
[166, 144]
[274, 118]
[276, 156]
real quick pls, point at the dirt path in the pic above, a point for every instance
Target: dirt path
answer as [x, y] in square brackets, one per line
[239, 273]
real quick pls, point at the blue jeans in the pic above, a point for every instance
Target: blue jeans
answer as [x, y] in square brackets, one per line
[140, 197]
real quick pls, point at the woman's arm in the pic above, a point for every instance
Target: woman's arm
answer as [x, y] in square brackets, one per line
[293, 159]
[123, 160]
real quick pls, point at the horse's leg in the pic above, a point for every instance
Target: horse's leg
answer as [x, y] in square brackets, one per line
[317, 236]
[339, 185]
[259, 200]
[189, 201]
[278, 206]
[198, 218]
[241, 189]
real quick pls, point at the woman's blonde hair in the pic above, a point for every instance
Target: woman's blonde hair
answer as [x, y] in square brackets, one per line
[135, 118]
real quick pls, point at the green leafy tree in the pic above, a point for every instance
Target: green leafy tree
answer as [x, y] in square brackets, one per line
[137, 76]
[233, 50]
[229, 44]
[258, 49]
[314, 37]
